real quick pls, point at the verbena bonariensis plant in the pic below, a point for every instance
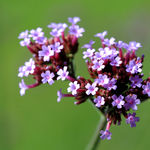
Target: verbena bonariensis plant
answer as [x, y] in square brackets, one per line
[116, 85]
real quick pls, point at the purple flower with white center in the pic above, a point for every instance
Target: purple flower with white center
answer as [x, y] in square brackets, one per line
[58, 26]
[98, 65]
[41, 40]
[99, 101]
[111, 84]
[63, 73]
[74, 20]
[101, 35]
[97, 56]
[76, 30]
[107, 53]
[89, 45]
[89, 53]
[47, 77]
[23, 87]
[105, 134]
[118, 101]
[131, 119]
[27, 69]
[133, 46]
[91, 88]
[56, 32]
[146, 89]
[102, 80]
[74, 86]
[23, 35]
[134, 67]
[136, 81]
[132, 101]
[57, 47]
[25, 42]
[36, 33]
[60, 95]
[120, 44]
[46, 52]
[109, 42]
[116, 61]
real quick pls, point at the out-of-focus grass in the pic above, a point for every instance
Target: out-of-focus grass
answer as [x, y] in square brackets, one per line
[36, 120]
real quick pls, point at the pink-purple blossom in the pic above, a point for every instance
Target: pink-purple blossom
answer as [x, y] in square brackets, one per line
[102, 80]
[146, 89]
[105, 134]
[132, 119]
[99, 101]
[133, 46]
[23, 87]
[73, 87]
[47, 77]
[76, 31]
[132, 101]
[116, 61]
[91, 88]
[101, 35]
[89, 45]
[57, 47]
[118, 101]
[62, 73]
[89, 53]
[60, 95]
[46, 52]
[74, 20]
[136, 81]
[98, 65]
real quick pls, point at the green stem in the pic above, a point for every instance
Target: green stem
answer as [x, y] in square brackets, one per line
[93, 145]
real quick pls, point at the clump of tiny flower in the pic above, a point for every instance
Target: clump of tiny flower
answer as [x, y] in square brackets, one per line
[52, 57]
[116, 86]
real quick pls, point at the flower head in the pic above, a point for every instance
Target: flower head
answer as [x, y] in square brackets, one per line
[136, 81]
[146, 89]
[73, 20]
[63, 73]
[73, 87]
[47, 77]
[89, 45]
[60, 95]
[118, 101]
[89, 53]
[131, 119]
[23, 87]
[56, 47]
[105, 134]
[101, 35]
[91, 88]
[99, 101]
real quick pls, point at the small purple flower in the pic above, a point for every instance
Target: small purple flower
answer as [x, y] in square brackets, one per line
[120, 44]
[56, 32]
[23, 87]
[116, 61]
[25, 42]
[136, 81]
[109, 42]
[146, 89]
[27, 69]
[74, 20]
[132, 119]
[98, 65]
[56, 47]
[91, 88]
[36, 33]
[99, 101]
[89, 53]
[111, 84]
[60, 95]
[41, 40]
[46, 52]
[63, 73]
[105, 134]
[132, 101]
[74, 86]
[76, 30]
[101, 35]
[47, 77]
[102, 80]
[58, 26]
[89, 45]
[133, 46]
[118, 101]
[134, 67]
[23, 35]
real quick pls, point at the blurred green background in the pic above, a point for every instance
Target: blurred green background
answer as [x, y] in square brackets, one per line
[36, 121]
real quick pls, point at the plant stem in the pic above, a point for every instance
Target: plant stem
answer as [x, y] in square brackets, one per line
[96, 138]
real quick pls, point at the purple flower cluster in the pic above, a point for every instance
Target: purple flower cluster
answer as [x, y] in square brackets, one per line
[116, 85]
